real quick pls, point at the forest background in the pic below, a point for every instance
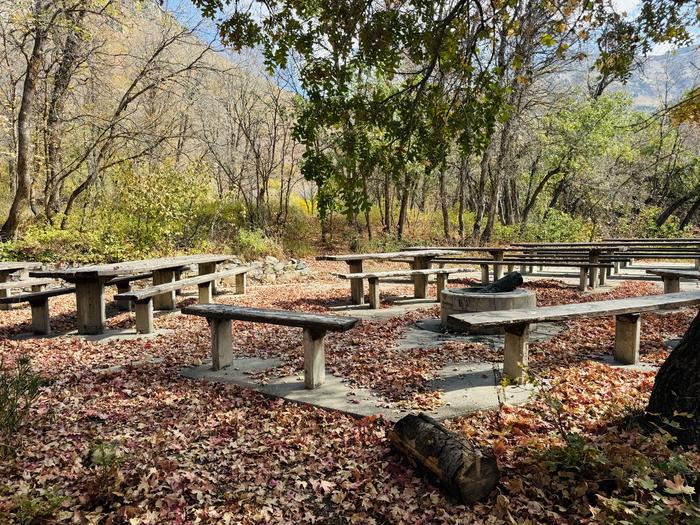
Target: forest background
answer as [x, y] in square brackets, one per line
[127, 130]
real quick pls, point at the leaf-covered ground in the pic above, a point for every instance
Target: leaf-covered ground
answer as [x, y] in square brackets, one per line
[118, 436]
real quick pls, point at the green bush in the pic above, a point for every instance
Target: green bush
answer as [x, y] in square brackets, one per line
[558, 226]
[253, 244]
[19, 387]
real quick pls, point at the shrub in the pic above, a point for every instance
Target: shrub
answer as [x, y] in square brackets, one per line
[19, 387]
[253, 244]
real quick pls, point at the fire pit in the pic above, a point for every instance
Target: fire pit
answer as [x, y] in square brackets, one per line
[477, 299]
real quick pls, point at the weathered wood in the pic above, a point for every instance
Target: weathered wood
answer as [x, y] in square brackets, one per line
[205, 268]
[170, 286]
[221, 347]
[164, 282]
[127, 279]
[507, 283]
[21, 285]
[13, 266]
[5, 292]
[441, 283]
[485, 274]
[420, 281]
[497, 268]
[466, 472]
[515, 352]
[28, 297]
[385, 255]
[330, 323]
[671, 284]
[373, 292]
[129, 267]
[357, 287]
[563, 312]
[314, 358]
[204, 292]
[41, 320]
[90, 301]
[241, 279]
[401, 273]
[583, 279]
[627, 337]
[547, 263]
[144, 316]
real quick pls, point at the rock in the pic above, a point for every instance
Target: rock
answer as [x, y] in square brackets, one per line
[271, 260]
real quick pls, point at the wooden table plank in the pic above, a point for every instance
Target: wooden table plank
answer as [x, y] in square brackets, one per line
[385, 255]
[578, 310]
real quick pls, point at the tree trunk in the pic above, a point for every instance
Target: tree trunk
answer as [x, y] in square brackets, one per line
[463, 470]
[20, 203]
[444, 206]
[675, 399]
[403, 211]
[689, 216]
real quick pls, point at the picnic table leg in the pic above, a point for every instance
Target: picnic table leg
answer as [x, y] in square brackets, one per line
[41, 323]
[616, 267]
[4, 277]
[672, 284]
[204, 293]
[515, 351]
[441, 284]
[221, 347]
[357, 286]
[627, 330]
[240, 284]
[90, 302]
[497, 268]
[373, 292]
[602, 275]
[123, 305]
[420, 282]
[511, 267]
[484, 274]
[314, 358]
[204, 268]
[697, 264]
[164, 301]
[593, 270]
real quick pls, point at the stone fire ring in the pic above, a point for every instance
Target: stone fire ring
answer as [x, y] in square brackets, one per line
[469, 300]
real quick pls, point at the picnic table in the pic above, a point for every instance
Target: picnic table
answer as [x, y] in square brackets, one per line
[422, 260]
[8, 268]
[90, 283]
[672, 278]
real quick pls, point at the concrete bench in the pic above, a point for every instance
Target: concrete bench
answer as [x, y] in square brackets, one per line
[123, 285]
[143, 298]
[39, 301]
[36, 285]
[627, 316]
[315, 327]
[672, 278]
[374, 277]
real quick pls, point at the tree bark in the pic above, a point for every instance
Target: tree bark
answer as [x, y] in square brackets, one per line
[466, 472]
[675, 399]
[20, 203]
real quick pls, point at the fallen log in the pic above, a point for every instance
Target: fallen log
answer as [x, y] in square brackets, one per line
[466, 472]
[507, 283]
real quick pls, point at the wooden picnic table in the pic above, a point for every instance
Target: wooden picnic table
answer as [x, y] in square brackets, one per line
[90, 283]
[422, 260]
[7, 269]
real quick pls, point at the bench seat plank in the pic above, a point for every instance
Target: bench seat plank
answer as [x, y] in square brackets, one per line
[17, 285]
[153, 291]
[332, 323]
[37, 296]
[129, 278]
[681, 274]
[578, 310]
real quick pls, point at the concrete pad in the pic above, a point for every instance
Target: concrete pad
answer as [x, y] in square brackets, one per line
[237, 373]
[639, 367]
[382, 314]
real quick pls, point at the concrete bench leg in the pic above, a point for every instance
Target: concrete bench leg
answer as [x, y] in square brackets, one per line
[441, 283]
[627, 330]
[314, 358]
[602, 274]
[241, 284]
[373, 293]
[90, 300]
[484, 274]
[221, 347]
[583, 279]
[204, 293]
[616, 267]
[523, 269]
[515, 352]
[41, 324]
[144, 316]
[123, 305]
[357, 286]
[164, 301]
[593, 277]
[697, 264]
[511, 268]
[531, 269]
[672, 284]
[420, 282]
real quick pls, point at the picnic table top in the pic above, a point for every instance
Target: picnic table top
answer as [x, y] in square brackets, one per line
[470, 248]
[387, 255]
[671, 272]
[13, 266]
[607, 244]
[577, 310]
[129, 267]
